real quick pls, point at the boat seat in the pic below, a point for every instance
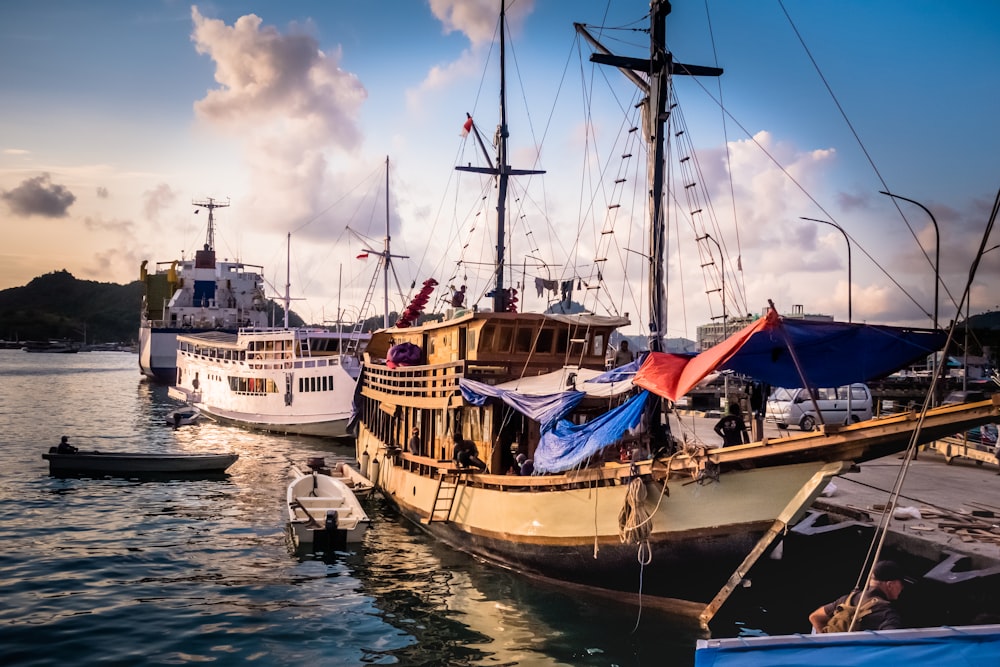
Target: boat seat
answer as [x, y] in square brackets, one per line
[320, 502]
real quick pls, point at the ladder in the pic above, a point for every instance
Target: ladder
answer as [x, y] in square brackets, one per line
[354, 338]
[444, 498]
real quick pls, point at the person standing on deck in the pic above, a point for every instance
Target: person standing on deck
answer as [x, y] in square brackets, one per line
[413, 444]
[732, 428]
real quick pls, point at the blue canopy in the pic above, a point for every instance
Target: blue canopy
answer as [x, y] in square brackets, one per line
[544, 409]
[567, 445]
[831, 354]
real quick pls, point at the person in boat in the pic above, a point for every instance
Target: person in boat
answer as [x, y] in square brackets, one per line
[731, 428]
[525, 466]
[64, 446]
[878, 609]
[413, 444]
[466, 454]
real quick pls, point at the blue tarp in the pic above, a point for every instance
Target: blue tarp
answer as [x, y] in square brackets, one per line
[832, 353]
[544, 409]
[941, 647]
[622, 373]
[567, 445]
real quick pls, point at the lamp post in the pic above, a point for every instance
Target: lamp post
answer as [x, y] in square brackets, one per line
[937, 250]
[848, 240]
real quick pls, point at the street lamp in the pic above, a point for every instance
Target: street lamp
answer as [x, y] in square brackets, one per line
[848, 240]
[937, 250]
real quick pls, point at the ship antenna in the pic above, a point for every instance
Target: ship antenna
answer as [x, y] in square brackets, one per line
[211, 205]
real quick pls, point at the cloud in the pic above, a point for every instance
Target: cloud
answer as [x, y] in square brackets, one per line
[16, 151]
[477, 19]
[290, 105]
[39, 196]
[157, 199]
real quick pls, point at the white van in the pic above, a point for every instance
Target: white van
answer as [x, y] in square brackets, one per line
[794, 406]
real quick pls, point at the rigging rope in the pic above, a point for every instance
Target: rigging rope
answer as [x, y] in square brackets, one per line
[633, 520]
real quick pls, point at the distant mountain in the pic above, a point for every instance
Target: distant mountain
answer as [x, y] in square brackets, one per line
[59, 306]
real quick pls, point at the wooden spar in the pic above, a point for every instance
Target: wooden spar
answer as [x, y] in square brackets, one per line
[792, 513]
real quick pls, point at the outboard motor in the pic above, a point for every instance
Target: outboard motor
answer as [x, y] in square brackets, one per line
[332, 539]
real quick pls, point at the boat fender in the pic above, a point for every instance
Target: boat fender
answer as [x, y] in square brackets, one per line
[374, 471]
[364, 464]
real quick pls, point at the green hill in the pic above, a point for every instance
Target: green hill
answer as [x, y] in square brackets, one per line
[59, 306]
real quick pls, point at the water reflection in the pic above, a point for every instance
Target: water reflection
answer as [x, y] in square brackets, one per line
[169, 571]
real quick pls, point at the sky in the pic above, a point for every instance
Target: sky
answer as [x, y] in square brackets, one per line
[115, 116]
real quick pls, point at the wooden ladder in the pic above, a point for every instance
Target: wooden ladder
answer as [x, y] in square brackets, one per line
[444, 498]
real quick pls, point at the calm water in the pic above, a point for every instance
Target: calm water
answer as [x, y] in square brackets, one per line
[198, 571]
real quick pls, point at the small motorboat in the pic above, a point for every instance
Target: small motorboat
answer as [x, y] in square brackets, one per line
[137, 463]
[183, 416]
[323, 511]
[360, 485]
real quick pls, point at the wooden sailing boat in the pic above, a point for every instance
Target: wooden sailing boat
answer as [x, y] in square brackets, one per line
[681, 525]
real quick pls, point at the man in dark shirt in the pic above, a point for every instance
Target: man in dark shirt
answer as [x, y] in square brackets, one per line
[466, 454]
[732, 428]
[885, 587]
[64, 447]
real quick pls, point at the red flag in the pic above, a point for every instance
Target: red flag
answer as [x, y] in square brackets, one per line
[467, 127]
[363, 255]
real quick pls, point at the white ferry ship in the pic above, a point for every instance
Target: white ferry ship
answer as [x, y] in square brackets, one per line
[283, 380]
[195, 295]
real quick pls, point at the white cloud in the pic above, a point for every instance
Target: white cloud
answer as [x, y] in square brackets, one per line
[291, 106]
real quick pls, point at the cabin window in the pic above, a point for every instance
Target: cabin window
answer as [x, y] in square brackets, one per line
[562, 341]
[470, 342]
[488, 334]
[543, 343]
[504, 337]
[524, 336]
[599, 344]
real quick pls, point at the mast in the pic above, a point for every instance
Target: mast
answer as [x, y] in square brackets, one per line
[387, 255]
[502, 172]
[288, 277]
[211, 205]
[652, 77]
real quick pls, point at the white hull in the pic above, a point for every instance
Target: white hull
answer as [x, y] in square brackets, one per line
[314, 500]
[286, 388]
[195, 295]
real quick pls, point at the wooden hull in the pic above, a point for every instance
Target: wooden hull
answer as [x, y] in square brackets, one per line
[138, 463]
[717, 504]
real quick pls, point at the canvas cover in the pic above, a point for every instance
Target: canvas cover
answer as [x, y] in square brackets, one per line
[794, 353]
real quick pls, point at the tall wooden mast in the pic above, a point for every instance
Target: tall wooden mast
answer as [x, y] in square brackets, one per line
[652, 77]
[502, 171]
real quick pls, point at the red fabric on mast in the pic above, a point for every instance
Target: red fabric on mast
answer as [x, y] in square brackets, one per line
[673, 375]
